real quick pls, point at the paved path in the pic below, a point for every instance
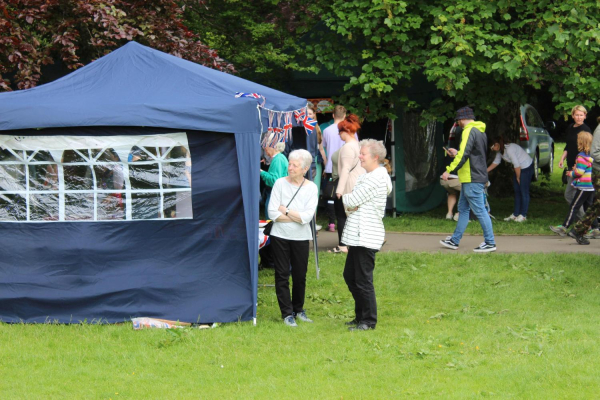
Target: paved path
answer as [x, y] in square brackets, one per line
[430, 242]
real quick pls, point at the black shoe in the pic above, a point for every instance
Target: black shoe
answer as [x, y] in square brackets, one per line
[354, 322]
[449, 244]
[578, 239]
[361, 327]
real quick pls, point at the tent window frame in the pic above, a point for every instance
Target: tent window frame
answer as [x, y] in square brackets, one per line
[173, 191]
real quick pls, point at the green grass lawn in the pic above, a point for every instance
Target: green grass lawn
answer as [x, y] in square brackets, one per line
[450, 326]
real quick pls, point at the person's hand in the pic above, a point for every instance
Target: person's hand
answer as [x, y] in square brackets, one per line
[339, 195]
[445, 175]
[282, 209]
[452, 152]
[560, 164]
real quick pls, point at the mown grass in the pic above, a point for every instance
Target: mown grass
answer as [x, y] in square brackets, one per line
[450, 326]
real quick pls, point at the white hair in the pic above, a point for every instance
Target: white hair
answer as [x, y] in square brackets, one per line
[279, 147]
[302, 155]
[376, 148]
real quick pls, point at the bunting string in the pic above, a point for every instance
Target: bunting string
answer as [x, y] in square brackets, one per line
[278, 130]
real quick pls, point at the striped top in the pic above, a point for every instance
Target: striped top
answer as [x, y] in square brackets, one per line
[364, 226]
[582, 173]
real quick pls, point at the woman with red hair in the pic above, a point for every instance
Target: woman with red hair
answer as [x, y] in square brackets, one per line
[346, 166]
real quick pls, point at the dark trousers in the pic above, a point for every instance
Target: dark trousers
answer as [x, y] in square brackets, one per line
[358, 274]
[266, 258]
[581, 199]
[340, 214]
[522, 196]
[329, 205]
[285, 253]
[588, 221]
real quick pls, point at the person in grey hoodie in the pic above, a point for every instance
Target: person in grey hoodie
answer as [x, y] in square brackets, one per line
[364, 233]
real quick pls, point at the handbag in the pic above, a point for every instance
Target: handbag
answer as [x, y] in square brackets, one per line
[269, 225]
[564, 176]
[331, 187]
[267, 228]
[333, 183]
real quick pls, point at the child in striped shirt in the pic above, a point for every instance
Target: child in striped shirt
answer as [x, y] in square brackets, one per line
[582, 181]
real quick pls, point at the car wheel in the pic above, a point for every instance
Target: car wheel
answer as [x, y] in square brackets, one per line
[549, 169]
[536, 169]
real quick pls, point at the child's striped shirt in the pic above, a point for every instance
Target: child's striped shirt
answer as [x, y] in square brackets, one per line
[582, 173]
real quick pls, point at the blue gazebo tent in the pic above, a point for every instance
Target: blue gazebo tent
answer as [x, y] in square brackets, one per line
[130, 188]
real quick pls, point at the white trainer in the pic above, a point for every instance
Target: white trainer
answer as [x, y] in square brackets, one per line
[511, 217]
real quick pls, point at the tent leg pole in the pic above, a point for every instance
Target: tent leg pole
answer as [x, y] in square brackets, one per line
[313, 225]
[393, 139]
[254, 321]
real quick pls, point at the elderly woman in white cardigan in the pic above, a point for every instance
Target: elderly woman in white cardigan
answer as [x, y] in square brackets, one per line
[364, 232]
[292, 207]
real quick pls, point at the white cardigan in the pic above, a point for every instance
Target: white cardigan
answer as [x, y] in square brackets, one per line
[305, 203]
[364, 227]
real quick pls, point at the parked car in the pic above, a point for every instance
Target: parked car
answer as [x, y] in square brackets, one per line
[533, 138]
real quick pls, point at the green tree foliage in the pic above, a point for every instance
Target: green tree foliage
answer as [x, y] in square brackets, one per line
[34, 33]
[259, 37]
[490, 54]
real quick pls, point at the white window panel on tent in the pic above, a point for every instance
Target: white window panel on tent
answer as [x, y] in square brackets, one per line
[95, 178]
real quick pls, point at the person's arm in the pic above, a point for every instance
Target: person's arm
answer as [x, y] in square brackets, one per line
[363, 193]
[495, 163]
[277, 170]
[518, 174]
[325, 142]
[492, 167]
[595, 152]
[562, 159]
[304, 215]
[512, 152]
[275, 202]
[322, 151]
[466, 146]
[579, 167]
[568, 145]
[346, 161]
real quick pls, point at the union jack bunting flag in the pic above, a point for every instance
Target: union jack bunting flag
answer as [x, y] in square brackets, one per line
[309, 125]
[287, 127]
[299, 115]
[256, 96]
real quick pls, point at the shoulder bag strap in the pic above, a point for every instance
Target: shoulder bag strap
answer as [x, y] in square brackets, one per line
[296, 193]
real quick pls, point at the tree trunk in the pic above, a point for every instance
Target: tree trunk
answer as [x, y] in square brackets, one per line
[506, 123]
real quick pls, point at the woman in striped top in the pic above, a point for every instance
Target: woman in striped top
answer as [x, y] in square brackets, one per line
[582, 182]
[364, 232]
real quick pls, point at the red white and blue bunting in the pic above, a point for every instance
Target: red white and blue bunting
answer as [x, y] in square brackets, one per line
[256, 96]
[280, 122]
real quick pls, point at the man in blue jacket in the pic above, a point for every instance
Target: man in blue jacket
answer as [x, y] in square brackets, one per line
[471, 163]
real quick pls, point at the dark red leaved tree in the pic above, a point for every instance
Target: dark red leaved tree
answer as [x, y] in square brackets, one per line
[34, 33]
